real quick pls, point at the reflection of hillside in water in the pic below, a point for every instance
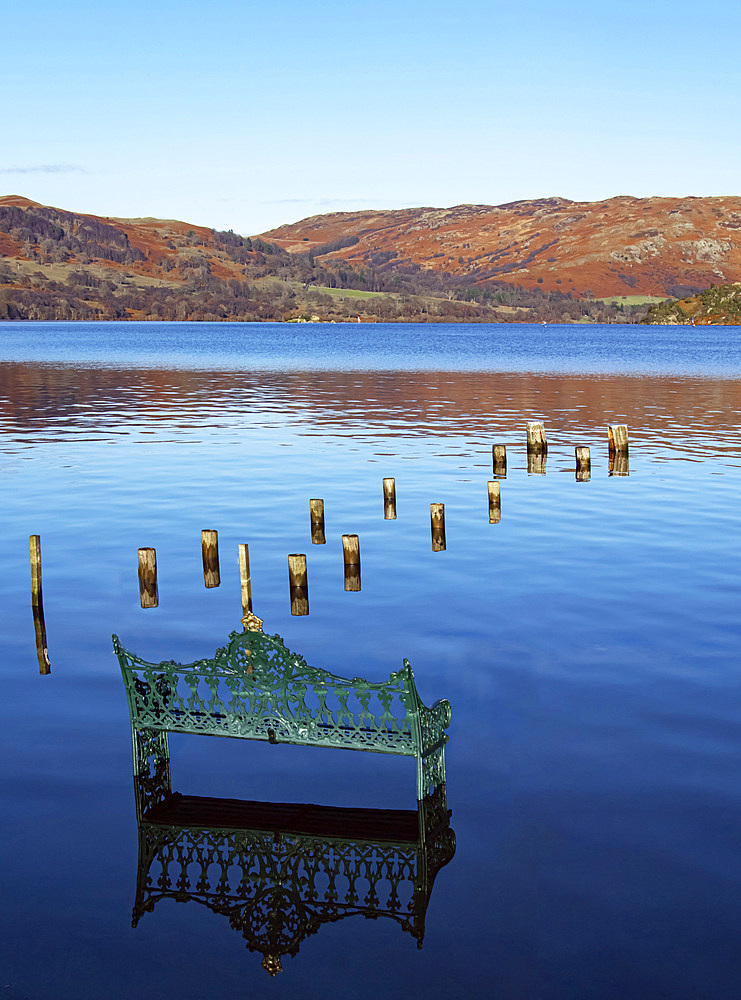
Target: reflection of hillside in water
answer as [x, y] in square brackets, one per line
[657, 408]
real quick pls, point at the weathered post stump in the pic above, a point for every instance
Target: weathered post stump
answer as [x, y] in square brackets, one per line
[495, 502]
[351, 557]
[499, 460]
[537, 447]
[583, 464]
[210, 551]
[316, 511]
[389, 499]
[617, 443]
[298, 583]
[536, 439]
[617, 438]
[297, 575]
[148, 593]
[35, 547]
[437, 525]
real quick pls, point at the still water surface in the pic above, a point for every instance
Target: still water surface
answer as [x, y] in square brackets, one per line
[588, 643]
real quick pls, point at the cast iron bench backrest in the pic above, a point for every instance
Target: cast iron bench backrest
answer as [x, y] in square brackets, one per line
[256, 688]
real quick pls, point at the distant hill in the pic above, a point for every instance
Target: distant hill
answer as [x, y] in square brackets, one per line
[548, 260]
[59, 265]
[621, 246]
[719, 305]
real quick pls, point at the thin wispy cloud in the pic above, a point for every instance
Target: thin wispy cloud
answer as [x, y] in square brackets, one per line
[45, 168]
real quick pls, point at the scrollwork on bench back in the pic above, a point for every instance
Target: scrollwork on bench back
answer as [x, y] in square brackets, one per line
[256, 688]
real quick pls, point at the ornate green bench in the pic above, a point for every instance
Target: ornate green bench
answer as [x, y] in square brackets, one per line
[255, 688]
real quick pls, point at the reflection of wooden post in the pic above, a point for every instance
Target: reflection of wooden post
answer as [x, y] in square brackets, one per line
[617, 443]
[245, 579]
[148, 594]
[37, 605]
[351, 556]
[210, 551]
[299, 601]
[39, 628]
[495, 508]
[36, 595]
[389, 499]
[619, 465]
[583, 464]
[298, 583]
[536, 462]
[437, 524]
[499, 459]
[316, 510]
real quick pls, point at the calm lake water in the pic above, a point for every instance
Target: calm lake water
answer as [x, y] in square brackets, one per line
[588, 644]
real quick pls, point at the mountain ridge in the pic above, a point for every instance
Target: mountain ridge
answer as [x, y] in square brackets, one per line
[549, 259]
[618, 246]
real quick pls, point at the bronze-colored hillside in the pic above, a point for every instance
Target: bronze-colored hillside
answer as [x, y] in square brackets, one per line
[621, 246]
[64, 265]
[548, 260]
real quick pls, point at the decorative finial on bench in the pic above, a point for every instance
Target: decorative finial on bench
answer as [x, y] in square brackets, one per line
[251, 622]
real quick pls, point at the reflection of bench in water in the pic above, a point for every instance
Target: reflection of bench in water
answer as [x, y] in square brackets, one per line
[255, 688]
[279, 871]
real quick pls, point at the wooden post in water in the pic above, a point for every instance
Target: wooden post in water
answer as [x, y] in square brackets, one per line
[499, 460]
[495, 508]
[148, 593]
[298, 583]
[389, 499]
[37, 605]
[210, 552]
[617, 438]
[297, 575]
[245, 579]
[437, 525]
[583, 464]
[617, 443]
[36, 594]
[316, 511]
[351, 557]
[536, 439]
[537, 447]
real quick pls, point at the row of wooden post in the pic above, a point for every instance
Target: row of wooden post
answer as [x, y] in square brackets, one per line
[297, 574]
[537, 451]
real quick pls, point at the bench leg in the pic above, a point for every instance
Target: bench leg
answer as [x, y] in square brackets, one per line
[151, 768]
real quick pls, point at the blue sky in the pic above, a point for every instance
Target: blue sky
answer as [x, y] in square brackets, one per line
[246, 115]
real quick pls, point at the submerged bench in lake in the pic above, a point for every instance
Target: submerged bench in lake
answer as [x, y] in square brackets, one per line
[255, 688]
[279, 871]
